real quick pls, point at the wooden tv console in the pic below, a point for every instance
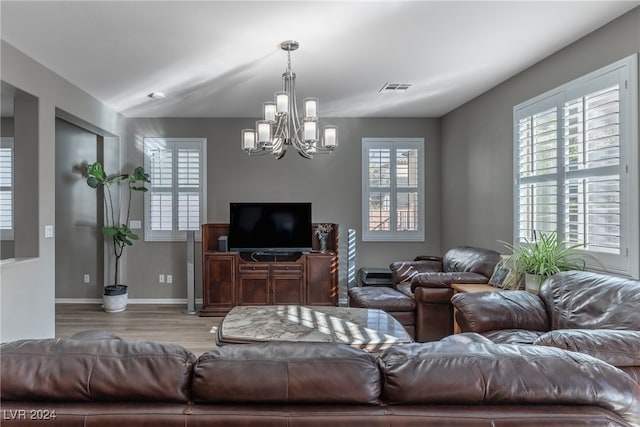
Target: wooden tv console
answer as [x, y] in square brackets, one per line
[232, 278]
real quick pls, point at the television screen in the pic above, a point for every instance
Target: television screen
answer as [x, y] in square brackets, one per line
[270, 227]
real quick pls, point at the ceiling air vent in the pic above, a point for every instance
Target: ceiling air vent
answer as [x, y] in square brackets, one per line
[395, 87]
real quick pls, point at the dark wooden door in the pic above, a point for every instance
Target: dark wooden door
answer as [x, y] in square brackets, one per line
[322, 287]
[287, 283]
[253, 284]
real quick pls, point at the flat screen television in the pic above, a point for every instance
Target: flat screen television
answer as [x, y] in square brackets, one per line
[270, 227]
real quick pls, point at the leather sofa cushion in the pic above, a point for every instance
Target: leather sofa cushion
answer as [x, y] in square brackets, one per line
[467, 338]
[513, 336]
[286, 372]
[470, 259]
[618, 348]
[81, 370]
[489, 311]
[488, 374]
[94, 335]
[585, 300]
[386, 299]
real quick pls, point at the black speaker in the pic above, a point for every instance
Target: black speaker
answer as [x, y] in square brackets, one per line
[223, 246]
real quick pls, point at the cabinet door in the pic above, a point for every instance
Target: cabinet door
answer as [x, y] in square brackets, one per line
[287, 283]
[253, 284]
[322, 279]
[217, 284]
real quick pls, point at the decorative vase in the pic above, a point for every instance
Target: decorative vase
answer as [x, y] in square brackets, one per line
[323, 243]
[115, 298]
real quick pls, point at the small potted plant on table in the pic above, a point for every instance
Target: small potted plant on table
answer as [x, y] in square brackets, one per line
[544, 257]
[115, 295]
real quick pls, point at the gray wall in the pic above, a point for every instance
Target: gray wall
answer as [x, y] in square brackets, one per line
[331, 182]
[27, 288]
[477, 138]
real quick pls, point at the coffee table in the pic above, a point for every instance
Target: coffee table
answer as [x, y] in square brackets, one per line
[372, 330]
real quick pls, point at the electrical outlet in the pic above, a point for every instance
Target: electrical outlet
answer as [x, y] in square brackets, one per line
[169, 278]
[87, 278]
[161, 278]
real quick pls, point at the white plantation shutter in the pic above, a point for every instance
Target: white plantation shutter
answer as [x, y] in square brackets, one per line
[188, 171]
[6, 188]
[174, 202]
[161, 188]
[537, 151]
[576, 166]
[393, 189]
[592, 170]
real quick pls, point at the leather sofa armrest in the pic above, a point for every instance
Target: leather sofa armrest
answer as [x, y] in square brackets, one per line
[444, 280]
[616, 347]
[489, 311]
[404, 271]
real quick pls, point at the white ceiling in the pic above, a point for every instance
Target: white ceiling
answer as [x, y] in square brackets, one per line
[222, 58]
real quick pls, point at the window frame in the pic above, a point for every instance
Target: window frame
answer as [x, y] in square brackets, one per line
[625, 73]
[175, 235]
[393, 235]
[9, 234]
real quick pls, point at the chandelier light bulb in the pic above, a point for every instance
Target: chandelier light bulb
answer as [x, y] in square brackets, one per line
[282, 102]
[311, 108]
[249, 139]
[310, 131]
[264, 131]
[269, 109]
[330, 139]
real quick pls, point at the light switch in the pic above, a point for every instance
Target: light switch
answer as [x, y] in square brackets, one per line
[48, 231]
[135, 224]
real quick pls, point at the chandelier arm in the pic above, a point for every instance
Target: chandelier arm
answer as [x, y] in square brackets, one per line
[279, 128]
[295, 120]
[297, 129]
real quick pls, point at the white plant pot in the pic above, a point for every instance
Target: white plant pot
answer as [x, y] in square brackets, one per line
[115, 302]
[532, 282]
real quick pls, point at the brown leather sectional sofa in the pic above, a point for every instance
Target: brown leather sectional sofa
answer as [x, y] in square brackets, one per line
[96, 379]
[421, 296]
[581, 311]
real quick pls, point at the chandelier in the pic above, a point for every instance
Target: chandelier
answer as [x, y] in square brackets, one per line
[281, 126]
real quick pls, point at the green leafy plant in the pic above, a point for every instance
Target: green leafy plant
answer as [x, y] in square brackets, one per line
[119, 231]
[546, 255]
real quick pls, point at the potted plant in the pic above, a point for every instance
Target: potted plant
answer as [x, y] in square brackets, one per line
[544, 257]
[115, 295]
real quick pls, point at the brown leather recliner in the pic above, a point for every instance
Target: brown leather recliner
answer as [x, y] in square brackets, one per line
[428, 281]
[580, 311]
[421, 294]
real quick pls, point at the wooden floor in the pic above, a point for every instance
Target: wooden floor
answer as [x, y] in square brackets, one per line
[149, 322]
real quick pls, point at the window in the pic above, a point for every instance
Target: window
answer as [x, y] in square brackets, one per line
[576, 163]
[393, 189]
[6, 188]
[175, 202]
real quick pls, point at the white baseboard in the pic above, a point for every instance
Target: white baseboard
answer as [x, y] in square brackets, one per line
[130, 301]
